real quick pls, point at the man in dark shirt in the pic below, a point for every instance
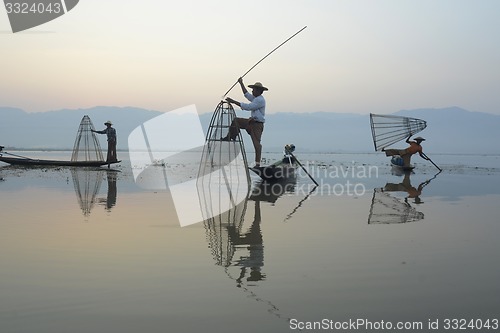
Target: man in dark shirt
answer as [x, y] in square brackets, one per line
[111, 133]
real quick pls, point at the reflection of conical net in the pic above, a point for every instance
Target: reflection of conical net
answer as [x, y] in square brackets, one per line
[217, 233]
[236, 246]
[223, 180]
[386, 209]
[87, 183]
[87, 147]
[387, 129]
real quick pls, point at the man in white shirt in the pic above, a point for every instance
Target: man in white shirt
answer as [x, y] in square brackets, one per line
[255, 124]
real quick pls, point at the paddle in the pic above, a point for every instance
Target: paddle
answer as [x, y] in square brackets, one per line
[17, 155]
[427, 157]
[298, 162]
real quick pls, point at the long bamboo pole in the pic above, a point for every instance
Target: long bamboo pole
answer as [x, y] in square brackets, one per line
[267, 55]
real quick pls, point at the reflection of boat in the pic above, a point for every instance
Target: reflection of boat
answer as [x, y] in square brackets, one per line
[270, 192]
[398, 163]
[282, 170]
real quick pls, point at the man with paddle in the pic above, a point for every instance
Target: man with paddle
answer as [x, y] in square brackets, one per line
[255, 124]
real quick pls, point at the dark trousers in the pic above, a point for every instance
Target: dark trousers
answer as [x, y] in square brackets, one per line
[253, 128]
[111, 151]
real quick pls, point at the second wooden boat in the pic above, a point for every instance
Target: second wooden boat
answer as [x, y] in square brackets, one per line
[282, 170]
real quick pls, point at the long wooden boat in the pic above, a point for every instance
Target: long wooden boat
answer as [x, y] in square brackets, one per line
[85, 142]
[38, 162]
[275, 173]
[397, 163]
[280, 171]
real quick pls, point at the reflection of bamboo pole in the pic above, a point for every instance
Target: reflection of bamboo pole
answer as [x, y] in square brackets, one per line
[273, 309]
[289, 216]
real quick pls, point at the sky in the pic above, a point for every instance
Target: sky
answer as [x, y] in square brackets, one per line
[354, 56]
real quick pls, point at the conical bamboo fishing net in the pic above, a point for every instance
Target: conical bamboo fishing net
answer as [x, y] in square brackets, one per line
[223, 180]
[86, 147]
[388, 129]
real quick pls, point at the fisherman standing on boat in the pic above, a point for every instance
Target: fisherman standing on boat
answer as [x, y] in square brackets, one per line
[255, 124]
[407, 153]
[111, 133]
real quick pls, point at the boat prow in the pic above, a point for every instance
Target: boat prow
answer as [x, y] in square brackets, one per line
[397, 162]
[275, 173]
[282, 170]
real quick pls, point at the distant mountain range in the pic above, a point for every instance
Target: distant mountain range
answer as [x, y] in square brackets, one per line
[449, 130]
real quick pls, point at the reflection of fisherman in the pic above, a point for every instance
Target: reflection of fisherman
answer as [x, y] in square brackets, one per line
[110, 201]
[407, 153]
[405, 186]
[253, 240]
[1, 148]
[111, 198]
[111, 133]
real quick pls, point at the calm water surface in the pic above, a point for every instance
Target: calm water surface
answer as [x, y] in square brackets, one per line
[90, 251]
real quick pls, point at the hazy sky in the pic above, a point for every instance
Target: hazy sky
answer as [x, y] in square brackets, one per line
[355, 56]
